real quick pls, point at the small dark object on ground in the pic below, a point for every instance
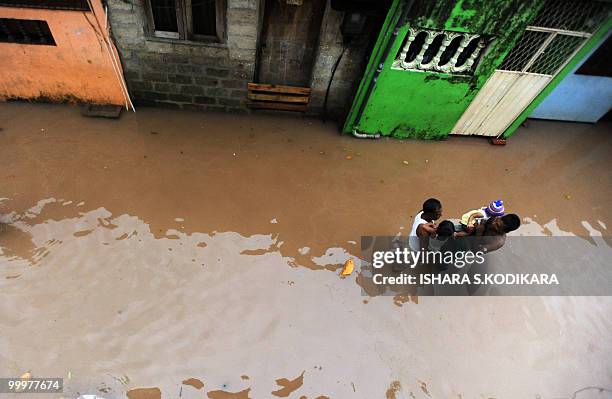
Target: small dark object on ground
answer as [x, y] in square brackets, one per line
[498, 141]
[102, 111]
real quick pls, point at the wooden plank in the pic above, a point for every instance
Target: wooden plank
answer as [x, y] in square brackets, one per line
[279, 89]
[277, 106]
[101, 111]
[278, 97]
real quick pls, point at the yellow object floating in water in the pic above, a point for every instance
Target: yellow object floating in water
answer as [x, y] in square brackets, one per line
[349, 266]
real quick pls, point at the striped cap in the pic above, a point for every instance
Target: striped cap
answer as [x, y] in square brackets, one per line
[495, 208]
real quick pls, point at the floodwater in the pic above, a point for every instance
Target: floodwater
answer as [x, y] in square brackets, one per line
[176, 254]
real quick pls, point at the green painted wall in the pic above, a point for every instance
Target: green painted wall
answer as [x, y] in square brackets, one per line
[426, 104]
[383, 38]
[593, 41]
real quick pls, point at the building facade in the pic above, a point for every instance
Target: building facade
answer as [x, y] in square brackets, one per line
[585, 94]
[470, 67]
[58, 51]
[201, 55]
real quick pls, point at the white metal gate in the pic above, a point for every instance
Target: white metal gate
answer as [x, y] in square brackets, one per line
[558, 32]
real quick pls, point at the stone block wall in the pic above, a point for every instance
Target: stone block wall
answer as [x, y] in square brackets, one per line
[214, 76]
[350, 69]
[187, 74]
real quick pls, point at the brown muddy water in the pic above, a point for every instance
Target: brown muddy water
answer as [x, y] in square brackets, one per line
[176, 254]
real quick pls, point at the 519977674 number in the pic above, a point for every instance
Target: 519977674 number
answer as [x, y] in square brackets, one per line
[31, 385]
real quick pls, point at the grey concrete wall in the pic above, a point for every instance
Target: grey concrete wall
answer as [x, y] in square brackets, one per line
[213, 76]
[351, 67]
[180, 74]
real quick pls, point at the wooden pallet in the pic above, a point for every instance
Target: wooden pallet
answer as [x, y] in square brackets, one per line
[284, 98]
[101, 111]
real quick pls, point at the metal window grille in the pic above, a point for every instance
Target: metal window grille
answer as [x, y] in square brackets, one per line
[77, 5]
[572, 15]
[25, 31]
[555, 54]
[558, 32]
[440, 51]
[524, 50]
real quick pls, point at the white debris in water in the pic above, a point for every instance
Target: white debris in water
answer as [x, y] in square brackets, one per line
[304, 250]
[37, 209]
[602, 224]
[352, 242]
[529, 227]
[592, 231]
[8, 218]
[334, 256]
[67, 203]
[81, 203]
[273, 221]
[179, 219]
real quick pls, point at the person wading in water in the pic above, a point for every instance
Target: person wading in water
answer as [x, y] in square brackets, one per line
[423, 225]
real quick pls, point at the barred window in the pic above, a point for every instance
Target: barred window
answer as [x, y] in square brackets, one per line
[187, 19]
[25, 31]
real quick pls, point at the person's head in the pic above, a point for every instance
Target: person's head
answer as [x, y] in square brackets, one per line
[511, 222]
[432, 209]
[502, 225]
[445, 230]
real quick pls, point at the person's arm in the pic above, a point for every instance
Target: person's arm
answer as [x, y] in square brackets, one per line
[474, 216]
[426, 228]
[423, 231]
[493, 243]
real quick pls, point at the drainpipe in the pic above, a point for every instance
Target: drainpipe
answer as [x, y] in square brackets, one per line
[365, 135]
[400, 22]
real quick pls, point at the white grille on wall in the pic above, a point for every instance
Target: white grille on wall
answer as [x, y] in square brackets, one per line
[440, 51]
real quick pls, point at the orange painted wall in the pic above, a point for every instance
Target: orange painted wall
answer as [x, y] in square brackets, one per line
[78, 68]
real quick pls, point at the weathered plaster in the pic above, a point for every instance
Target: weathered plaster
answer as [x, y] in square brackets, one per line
[77, 69]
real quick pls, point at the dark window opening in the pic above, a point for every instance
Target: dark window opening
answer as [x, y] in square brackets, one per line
[467, 52]
[164, 15]
[77, 5]
[187, 19]
[433, 49]
[204, 17]
[600, 62]
[415, 46]
[450, 51]
[25, 31]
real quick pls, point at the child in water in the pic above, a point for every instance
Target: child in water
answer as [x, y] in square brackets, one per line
[495, 208]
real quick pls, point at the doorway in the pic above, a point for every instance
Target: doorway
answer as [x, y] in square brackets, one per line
[289, 39]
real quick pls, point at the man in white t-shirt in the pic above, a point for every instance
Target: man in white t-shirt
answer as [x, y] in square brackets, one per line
[423, 225]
